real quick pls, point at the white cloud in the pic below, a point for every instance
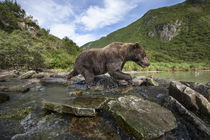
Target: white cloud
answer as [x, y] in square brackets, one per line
[112, 12]
[47, 12]
[59, 17]
[62, 30]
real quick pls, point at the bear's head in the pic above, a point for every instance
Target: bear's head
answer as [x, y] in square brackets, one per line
[139, 55]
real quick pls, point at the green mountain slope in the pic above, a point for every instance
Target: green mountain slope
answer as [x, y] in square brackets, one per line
[180, 33]
[24, 45]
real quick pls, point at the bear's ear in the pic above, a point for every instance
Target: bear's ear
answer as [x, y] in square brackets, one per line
[136, 45]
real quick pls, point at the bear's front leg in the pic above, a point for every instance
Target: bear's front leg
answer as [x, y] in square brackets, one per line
[119, 75]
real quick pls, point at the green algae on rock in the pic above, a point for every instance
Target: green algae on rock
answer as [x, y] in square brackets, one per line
[93, 128]
[79, 106]
[141, 118]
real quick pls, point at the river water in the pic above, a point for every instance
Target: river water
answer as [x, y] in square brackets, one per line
[192, 76]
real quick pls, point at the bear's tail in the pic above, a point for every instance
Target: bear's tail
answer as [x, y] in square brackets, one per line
[72, 74]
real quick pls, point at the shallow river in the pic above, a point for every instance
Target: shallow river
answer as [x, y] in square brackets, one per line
[22, 117]
[200, 77]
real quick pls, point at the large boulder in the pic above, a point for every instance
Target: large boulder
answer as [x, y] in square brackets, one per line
[201, 88]
[178, 108]
[79, 106]
[141, 118]
[27, 75]
[191, 99]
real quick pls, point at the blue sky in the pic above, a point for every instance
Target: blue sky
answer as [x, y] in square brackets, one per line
[88, 20]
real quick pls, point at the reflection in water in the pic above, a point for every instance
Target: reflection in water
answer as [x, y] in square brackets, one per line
[200, 77]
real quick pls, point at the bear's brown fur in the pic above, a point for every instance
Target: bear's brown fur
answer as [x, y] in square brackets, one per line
[109, 59]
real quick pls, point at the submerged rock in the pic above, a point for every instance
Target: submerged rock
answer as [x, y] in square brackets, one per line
[92, 128]
[142, 80]
[79, 106]
[191, 99]
[17, 88]
[59, 81]
[141, 118]
[4, 97]
[27, 75]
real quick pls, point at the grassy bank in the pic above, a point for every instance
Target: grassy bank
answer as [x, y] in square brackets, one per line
[161, 66]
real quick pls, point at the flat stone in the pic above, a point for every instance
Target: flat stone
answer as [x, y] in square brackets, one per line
[27, 75]
[191, 99]
[4, 97]
[60, 81]
[141, 118]
[79, 106]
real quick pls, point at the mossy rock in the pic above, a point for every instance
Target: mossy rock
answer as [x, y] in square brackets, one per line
[141, 118]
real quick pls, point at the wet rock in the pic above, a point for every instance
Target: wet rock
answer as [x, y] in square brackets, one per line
[8, 74]
[125, 90]
[92, 128]
[41, 75]
[142, 80]
[18, 88]
[4, 97]
[201, 88]
[105, 82]
[27, 75]
[141, 118]
[33, 81]
[163, 82]
[47, 127]
[59, 75]
[177, 107]
[79, 106]
[59, 81]
[2, 80]
[75, 93]
[191, 99]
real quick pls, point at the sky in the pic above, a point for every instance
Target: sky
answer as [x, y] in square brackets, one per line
[88, 20]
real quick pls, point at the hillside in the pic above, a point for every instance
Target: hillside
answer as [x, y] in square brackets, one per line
[24, 45]
[179, 33]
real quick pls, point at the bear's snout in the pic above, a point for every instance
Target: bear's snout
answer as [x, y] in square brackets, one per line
[144, 62]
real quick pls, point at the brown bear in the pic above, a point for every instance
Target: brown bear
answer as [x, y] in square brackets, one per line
[109, 59]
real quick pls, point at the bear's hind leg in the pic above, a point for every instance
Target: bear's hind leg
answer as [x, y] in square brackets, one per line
[89, 77]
